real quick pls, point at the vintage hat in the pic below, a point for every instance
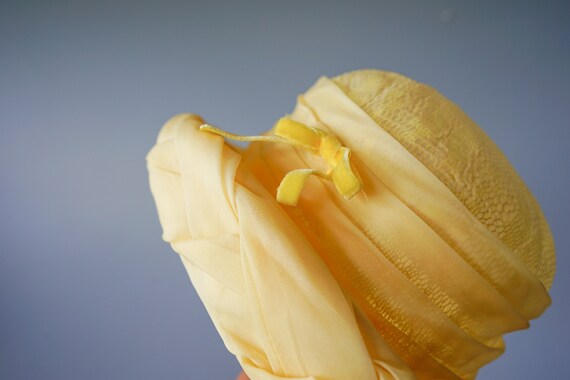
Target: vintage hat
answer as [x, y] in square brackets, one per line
[376, 232]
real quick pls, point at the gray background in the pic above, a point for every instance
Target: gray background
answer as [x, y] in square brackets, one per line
[87, 288]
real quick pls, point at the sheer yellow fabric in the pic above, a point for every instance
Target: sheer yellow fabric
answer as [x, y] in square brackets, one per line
[420, 278]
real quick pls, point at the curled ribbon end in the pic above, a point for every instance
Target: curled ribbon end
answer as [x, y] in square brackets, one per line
[344, 178]
[290, 188]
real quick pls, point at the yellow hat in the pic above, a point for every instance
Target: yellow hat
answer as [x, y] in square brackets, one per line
[409, 254]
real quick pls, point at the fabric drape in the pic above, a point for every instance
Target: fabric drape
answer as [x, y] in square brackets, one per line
[417, 276]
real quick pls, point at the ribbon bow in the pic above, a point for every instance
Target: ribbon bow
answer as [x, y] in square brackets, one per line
[318, 142]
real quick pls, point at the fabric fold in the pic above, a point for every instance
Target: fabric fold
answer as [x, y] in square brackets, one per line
[271, 297]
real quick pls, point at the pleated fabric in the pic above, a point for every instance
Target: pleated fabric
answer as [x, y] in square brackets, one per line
[418, 276]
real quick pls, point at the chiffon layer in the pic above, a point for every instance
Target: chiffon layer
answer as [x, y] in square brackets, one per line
[418, 276]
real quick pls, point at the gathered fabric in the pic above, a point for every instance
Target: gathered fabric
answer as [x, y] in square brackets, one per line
[375, 232]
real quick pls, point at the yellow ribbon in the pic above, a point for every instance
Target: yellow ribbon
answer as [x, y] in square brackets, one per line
[318, 142]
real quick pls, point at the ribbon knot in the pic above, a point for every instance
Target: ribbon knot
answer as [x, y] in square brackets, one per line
[318, 142]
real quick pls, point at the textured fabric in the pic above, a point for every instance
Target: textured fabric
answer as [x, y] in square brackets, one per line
[460, 155]
[418, 276]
